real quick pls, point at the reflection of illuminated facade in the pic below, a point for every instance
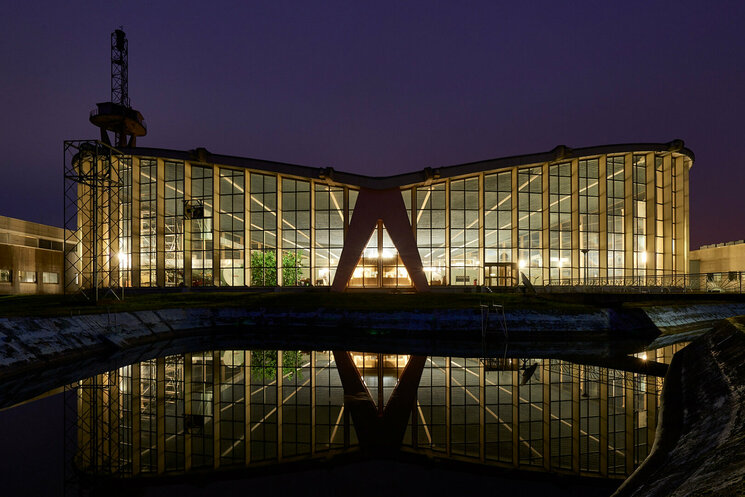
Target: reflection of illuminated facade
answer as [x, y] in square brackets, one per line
[611, 215]
[230, 409]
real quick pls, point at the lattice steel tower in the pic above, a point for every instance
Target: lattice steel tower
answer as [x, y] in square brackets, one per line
[118, 116]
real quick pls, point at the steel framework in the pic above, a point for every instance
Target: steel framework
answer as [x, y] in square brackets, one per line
[94, 423]
[91, 208]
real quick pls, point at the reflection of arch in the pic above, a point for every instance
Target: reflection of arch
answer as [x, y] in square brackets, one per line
[371, 206]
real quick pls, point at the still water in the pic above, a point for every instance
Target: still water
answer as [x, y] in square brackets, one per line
[186, 419]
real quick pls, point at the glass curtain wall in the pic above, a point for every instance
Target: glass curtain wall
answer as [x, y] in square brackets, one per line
[615, 198]
[367, 272]
[201, 227]
[125, 222]
[263, 230]
[295, 226]
[659, 230]
[589, 219]
[639, 179]
[148, 220]
[465, 260]
[173, 215]
[232, 227]
[498, 217]
[329, 232]
[431, 233]
[560, 222]
[530, 223]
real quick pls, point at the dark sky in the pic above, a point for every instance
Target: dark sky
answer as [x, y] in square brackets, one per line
[381, 87]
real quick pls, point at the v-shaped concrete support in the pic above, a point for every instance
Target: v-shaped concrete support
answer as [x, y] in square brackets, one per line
[379, 432]
[371, 206]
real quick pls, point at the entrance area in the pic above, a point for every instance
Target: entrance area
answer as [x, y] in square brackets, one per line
[500, 274]
[380, 265]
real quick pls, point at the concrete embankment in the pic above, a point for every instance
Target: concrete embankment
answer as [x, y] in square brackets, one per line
[33, 350]
[700, 444]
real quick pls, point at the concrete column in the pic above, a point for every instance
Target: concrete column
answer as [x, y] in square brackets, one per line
[312, 264]
[448, 405]
[247, 227]
[482, 413]
[313, 421]
[546, 380]
[515, 419]
[279, 231]
[247, 397]
[515, 220]
[482, 248]
[280, 402]
[576, 375]
[447, 232]
[628, 393]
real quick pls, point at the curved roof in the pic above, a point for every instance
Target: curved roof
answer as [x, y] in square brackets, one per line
[559, 153]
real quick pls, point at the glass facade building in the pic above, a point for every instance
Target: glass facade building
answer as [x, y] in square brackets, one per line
[607, 215]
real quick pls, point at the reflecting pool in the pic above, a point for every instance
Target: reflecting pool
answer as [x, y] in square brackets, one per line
[231, 410]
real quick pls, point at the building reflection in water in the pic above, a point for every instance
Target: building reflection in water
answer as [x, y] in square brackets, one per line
[222, 409]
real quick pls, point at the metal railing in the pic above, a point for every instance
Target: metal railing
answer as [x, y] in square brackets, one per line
[721, 282]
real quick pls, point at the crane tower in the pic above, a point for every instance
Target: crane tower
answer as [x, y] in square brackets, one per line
[118, 116]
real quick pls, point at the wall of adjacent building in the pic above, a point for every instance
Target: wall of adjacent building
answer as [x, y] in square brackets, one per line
[31, 257]
[718, 258]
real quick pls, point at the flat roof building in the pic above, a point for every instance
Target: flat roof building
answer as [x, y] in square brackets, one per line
[608, 215]
[31, 257]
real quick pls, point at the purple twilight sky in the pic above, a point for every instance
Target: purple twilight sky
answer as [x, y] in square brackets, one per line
[381, 87]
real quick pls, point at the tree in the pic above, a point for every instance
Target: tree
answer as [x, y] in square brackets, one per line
[264, 364]
[264, 268]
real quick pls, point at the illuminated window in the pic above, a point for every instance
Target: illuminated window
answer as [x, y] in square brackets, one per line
[295, 263]
[263, 230]
[431, 219]
[329, 232]
[498, 217]
[589, 218]
[148, 211]
[27, 276]
[173, 215]
[50, 278]
[640, 214]
[615, 210]
[560, 221]
[530, 223]
[465, 259]
[125, 222]
[5, 275]
[201, 227]
[233, 228]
